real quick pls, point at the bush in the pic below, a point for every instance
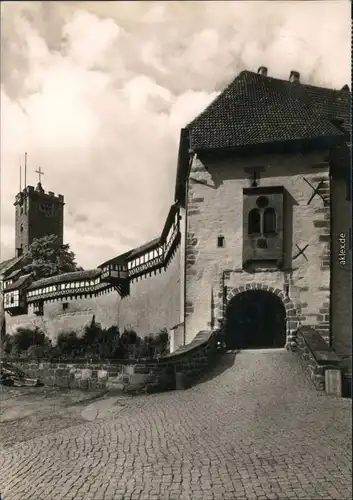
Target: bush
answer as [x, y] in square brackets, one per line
[153, 346]
[96, 342]
[111, 346]
[162, 342]
[6, 344]
[68, 345]
[25, 338]
[35, 352]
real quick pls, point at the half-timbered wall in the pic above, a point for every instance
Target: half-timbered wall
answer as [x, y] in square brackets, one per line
[154, 300]
[62, 289]
[141, 264]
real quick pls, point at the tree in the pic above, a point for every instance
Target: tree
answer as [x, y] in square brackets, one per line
[92, 338]
[68, 345]
[26, 337]
[129, 341]
[47, 257]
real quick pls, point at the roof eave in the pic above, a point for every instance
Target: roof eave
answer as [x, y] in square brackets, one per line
[320, 140]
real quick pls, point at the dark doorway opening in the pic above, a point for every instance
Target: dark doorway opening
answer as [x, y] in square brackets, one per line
[255, 319]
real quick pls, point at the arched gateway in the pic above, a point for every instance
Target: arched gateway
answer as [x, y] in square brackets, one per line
[258, 317]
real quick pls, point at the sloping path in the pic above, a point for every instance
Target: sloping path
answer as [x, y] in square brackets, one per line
[254, 429]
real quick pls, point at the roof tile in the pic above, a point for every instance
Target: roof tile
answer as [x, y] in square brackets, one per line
[256, 109]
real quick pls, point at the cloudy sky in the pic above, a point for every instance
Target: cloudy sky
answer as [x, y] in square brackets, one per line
[96, 93]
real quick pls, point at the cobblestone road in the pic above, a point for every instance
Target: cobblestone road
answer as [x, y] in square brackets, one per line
[255, 429]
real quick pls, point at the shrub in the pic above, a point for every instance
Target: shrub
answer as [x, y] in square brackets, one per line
[111, 346]
[6, 344]
[162, 342]
[92, 339]
[27, 337]
[68, 345]
[35, 352]
[96, 342]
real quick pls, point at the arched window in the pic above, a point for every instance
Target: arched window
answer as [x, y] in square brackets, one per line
[254, 221]
[269, 221]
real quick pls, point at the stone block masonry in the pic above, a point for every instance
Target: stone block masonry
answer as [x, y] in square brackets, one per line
[154, 302]
[216, 208]
[316, 356]
[191, 361]
[69, 315]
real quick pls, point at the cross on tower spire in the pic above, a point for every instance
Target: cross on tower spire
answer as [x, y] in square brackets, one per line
[39, 172]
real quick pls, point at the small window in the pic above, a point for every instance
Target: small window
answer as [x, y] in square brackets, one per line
[21, 228]
[220, 241]
[12, 299]
[21, 210]
[269, 221]
[254, 221]
[65, 306]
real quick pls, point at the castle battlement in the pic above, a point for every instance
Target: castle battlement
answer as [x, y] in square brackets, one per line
[30, 190]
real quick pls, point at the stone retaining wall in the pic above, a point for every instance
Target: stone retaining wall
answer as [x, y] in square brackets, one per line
[190, 360]
[316, 355]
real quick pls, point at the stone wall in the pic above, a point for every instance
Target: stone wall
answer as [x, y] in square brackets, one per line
[341, 312]
[316, 356]
[190, 361]
[76, 315]
[154, 302]
[215, 209]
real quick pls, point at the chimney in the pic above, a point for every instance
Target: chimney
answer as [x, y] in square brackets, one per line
[262, 71]
[294, 77]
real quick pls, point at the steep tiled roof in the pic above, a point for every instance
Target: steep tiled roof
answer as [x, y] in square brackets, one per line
[256, 109]
[14, 273]
[18, 283]
[63, 278]
[6, 265]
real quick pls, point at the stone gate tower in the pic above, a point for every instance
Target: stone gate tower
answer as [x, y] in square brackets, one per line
[38, 213]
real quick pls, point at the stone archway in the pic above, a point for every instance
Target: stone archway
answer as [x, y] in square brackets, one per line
[280, 302]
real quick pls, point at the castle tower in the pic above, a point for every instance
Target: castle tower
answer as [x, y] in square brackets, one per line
[38, 214]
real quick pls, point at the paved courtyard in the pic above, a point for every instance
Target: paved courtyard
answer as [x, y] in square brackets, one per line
[253, 429]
